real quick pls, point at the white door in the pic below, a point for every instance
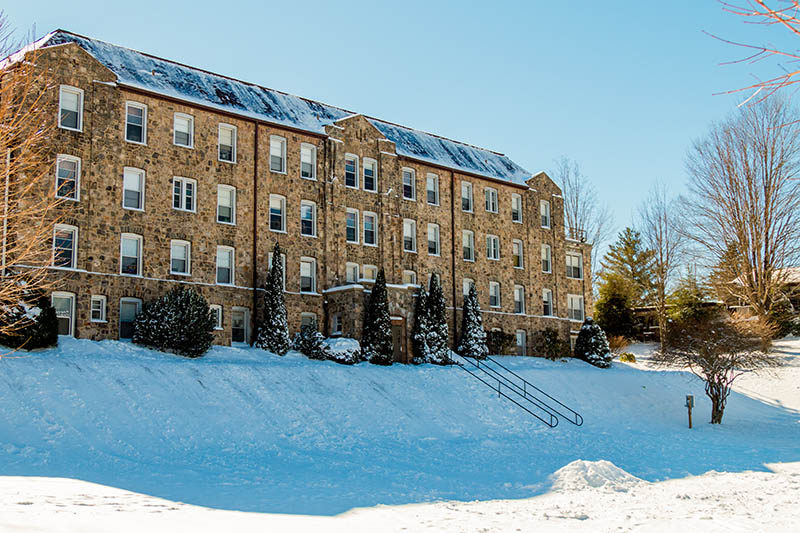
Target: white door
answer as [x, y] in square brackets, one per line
[128, 309]
[64, 304]
[521, 342]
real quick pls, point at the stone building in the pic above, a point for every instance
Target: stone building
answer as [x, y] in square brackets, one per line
[174, 175]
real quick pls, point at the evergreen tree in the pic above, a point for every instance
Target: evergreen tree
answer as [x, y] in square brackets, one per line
[273, 328]
[613, 311]
[310, 342]
[628, 263]
[592, 345]
[473, 337]
[179, 322]
[438, 334]
[419, 335]
[376, 337]
[34, 321]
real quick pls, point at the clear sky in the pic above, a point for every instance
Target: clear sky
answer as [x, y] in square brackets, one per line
[622, 87]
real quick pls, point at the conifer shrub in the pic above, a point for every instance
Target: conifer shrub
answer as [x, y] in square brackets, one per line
[592, 345]
[179, 322]
[549, 344]
[473, 337]
[501, 343]
[438, 334]
[343, 351]
[34, 323]
[310, 342]
[419, 334]
[376, 337]
[273, 326]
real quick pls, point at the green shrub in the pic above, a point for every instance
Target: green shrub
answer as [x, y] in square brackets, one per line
[592, 345]
[310, 342]
[32, 323]
[548, 343]
[627, 357]
[179, 322]
[501, 343]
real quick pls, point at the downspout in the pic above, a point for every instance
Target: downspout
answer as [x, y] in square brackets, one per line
[453, 253]
[326, 154]
[255, 235]
[5, 209]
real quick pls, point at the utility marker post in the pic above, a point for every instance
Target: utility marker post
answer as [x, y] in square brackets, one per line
[689, 405]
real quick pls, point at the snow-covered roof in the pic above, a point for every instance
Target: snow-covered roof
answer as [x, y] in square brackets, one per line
[139, 70]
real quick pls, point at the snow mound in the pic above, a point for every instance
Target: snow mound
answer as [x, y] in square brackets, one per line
[603, 475]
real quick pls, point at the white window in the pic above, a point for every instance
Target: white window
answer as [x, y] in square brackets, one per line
[183, 130]
[468, 243]
[544, 212]
[226, 139]
[370, 229]
[308, 218]
[494, 294]
[546, 263]
[466, 196]
[575, 266]
[351, 225]
[216, 315]
[130, 262]
[70, 104]
[135, 122]
[65, 246]
[283, 268]
[128, 309]
[98, 308]
[516, 249]
[409, 277]
[370, 272]
[336, 324]
[409, 235]
[493, 247]
[225, 258]
[180, 257]
[352, 272]
[308, 274]
[466, 285]
[133, 189]
[491, 199]
[370, 175]
[308, 161]
[432, 189]
[547, 302]
[409, 184]
[277, 213]
[240, 325]
[277, 154]
[574, 307]
[308, 319]
[516, 208]
[519, 299]
[68, 177]
[184, 194]
[433, 239]
[351, 171]
[522, 348]
[226, 204]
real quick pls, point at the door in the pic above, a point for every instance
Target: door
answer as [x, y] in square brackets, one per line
[128, 309]
[522, 348]
[398, 340]
[239, 322]
[64, 304]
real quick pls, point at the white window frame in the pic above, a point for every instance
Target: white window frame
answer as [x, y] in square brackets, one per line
[437, 233]
[188, 246]
[547, 298]
[492, 285]
[491, 199]
[411, 223]
[470, 235]
[72, 298]
[217, 316]
[281, 143]
[232, 190]
[282, 200]
[103, 313]
[77, 161]
[313, 206]
[518, 243]
[571, 268]
[356, 176]
[140, 246]
[466, 186]
[519, 299]
[544, 213]
[492, 245]
[234, 141]
[79, 93]
[232, 254]
[516, 198]
[549, 258]
[74, 259]
[572, 310]
[190, 119]
[374, 217]
[371, 162]
[312, 151]
[466, 284]
[183, 181]
[349, 268]
[356, 229]
[369, 268]
[312, 316]
[313, 263]
[143, 107]
[246, 312]
[413, 173]
[142, 183]
[432, 178]
[411, 276]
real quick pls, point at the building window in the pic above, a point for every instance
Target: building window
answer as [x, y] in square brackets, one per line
[516, 208]
[370, 229]
[308, 218]
[98, 308]
[544, 212]
[466, 196]
[432, 188]
[494, 294]
[308, 161]
[183, 126]
[226, 139]
[468, 243]
[133, 189]
[277, 154]
[409, 235]
[277, 213]
[131, 254]
[547, 302]
[493, 247]
[135, 123]
[370, 175]
[226, 204]
[184, 194]
[240, 324]
[546, 264]
[351, 171]
[370, 272]
[336, 324]
[466, 285]
[68, 176]
[70, 103]
[308, 274]
[519, 299]
[409, 277]
[433, 239]
[225, 256]
[308, 319]
[409, 184]
[522, 348]
[180, 257]
[65, 246]
[516, 246]
[575, 266]
[491, 199]
[283, 268]
[128, 309]
[216, 315]
[352, 272]
[575, 307]
[351, 226]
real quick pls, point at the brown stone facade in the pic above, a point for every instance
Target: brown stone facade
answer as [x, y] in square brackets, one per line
[101, 218]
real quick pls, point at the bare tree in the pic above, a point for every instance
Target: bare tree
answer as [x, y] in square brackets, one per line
[585, 218]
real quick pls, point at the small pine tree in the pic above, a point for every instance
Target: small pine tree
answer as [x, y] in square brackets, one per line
[592, 345]
[273, 328]
[438, 334]
[35, 324]
[376, 337]
[179, 322]
[419, 335]
[548, 343]
[310, 342]
[473, 337]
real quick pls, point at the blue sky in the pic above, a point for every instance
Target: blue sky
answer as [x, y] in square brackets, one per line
[622, 87]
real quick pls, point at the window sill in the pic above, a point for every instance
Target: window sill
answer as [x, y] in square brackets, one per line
[226, 161]
[78, 130]
[310, 293]
[354, 187]
[136, 143]
[410, 251]
[434, 255]
[516, 221]
[370, 190]
[410, 199]
[352, 242]
[546, 227]
[278, 230]
[547, 271]
[493, 259]
[309, 236]
[371, 245]
[278, 171]
[469, 260]
[225, 284]
[68, 198]
[99, 321]
[65, 269]
[130, 275]
[519, 268]
[183, 146]
[226, 223]
[183, 274]
[470, 211]
[184, 210]
[311, 178]
[138, 210]
[433, 205]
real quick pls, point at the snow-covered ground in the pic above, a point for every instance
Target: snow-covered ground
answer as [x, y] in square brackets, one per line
[248, 431]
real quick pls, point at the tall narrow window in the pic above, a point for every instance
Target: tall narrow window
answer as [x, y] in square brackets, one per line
[409, 235]
[225, 257]
[179, 257]
[308, 275]
[65, 246]
[308, 218]
[370, 272]
[547, 302]
[133, 189]
[240, 325]
[183, 127]
[466, 196]
[68, 176]
[308, 161]
[433, 239]
[352, 272]
[409, 277]
[492, 247]
[468, 240]
[575, 307]
[336, 324]
[432, 189]
[184, 194]
[370, 229]
[98, 308]
[516, 208]
[522, 341]
[135, 123]
[516, 246]
[519, 299]
[351, 226]
[575, 266]
[226, 204]
[370, 175]
[409, 184]
[351, 171]
[466, 285]
[546, 263]
[277, 154]
[131, 254]
[277, 213]
[216, 315]
[494, 294]
[544, 212]
[226, 139]
[491, 199]
[70, 115]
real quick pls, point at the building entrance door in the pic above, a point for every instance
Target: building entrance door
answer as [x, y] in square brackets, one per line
[64, 304]
[399, 340]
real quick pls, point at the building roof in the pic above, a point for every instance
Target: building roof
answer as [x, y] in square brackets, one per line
[143, 71]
